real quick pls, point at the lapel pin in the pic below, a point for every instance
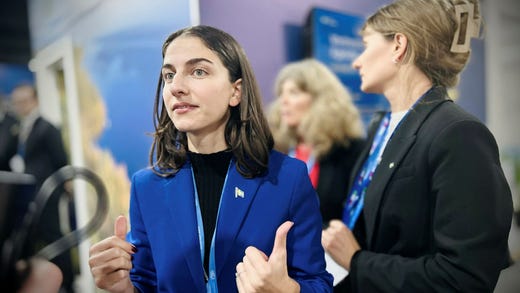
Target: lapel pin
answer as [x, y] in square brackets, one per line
[239, 192]
[391, 165]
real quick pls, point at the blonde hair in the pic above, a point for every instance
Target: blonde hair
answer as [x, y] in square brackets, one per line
[332, 117]
[430, 27]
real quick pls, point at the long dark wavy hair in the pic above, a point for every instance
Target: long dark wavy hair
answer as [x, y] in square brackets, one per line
[247, 132]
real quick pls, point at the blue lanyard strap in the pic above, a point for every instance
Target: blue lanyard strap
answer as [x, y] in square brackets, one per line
[211, 285]
[200, 227]
[355, 200]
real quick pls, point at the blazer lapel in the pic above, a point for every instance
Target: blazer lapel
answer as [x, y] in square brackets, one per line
[392, 157]
[237, 196]
[179, 197]
[395, 150]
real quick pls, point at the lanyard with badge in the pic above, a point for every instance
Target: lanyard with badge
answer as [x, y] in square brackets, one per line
[211, 278]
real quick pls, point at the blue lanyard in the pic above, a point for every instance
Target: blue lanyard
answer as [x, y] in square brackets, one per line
[355, 200]
[211, 285]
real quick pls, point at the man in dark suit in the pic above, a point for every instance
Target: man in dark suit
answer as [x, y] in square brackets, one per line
[40, 142]
[9, 134]
[41, 152]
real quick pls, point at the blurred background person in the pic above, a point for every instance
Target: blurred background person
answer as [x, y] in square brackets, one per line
[315, 120]
[41, 152]
[9, 136]
[40, 145]
[430, 208]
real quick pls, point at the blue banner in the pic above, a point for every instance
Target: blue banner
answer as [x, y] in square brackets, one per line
[335, 41]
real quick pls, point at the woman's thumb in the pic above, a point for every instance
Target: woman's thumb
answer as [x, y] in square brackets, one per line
[120, 227]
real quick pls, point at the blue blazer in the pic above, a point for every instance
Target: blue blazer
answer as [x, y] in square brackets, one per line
[164, 227]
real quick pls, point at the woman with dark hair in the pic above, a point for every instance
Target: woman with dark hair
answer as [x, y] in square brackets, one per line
[218, 210]
[430, 209]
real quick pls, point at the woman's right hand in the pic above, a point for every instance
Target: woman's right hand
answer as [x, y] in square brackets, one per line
[110, 260]
[339, 242]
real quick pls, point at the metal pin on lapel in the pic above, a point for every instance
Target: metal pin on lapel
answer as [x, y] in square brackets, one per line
[391, 165]
[239, 192]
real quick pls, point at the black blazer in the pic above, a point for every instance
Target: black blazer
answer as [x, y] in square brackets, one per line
[44, 150]
[9, 128]
[438, 211]
[45, 154]
[335, 174]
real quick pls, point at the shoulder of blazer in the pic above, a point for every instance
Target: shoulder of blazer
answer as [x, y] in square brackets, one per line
[147, 175]
[41, 123]
[9, 119]
[11, 124]
[41, 131]
[282, 165]
[433, 100]
[43, 127]
[450, 112]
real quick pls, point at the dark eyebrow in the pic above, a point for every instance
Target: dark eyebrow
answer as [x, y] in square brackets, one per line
[167, 66]
[189, 62]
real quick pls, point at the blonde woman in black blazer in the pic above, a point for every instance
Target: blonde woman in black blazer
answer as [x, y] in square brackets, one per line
[436, 212]
[315, 120]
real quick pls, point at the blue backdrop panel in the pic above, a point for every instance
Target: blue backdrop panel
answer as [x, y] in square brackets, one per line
[334, 39]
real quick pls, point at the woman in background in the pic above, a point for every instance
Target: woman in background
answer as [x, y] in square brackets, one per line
[430, 208]
[315, 120]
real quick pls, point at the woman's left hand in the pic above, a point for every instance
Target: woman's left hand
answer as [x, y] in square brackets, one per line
[340, 243]
[259, 273]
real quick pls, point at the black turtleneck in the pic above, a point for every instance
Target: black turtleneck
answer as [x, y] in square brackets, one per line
[210, 172]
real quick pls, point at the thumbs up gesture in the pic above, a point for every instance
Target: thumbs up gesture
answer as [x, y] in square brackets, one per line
[110, 260]
[259, 273]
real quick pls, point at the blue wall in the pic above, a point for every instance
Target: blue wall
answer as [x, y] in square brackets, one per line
[12, 75]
